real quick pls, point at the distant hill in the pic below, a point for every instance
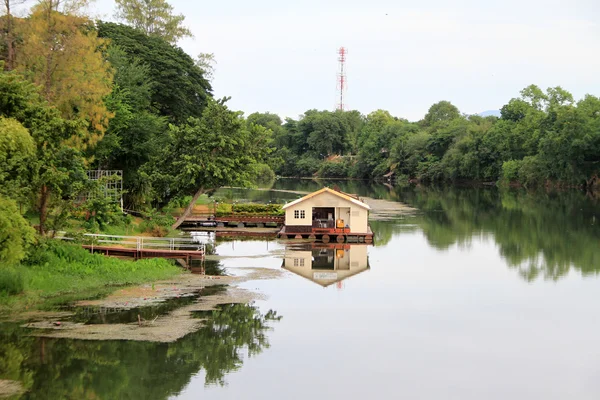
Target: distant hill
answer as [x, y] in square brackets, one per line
[495, 113]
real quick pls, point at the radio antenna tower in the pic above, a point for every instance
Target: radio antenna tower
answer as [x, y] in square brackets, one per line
[342, 81]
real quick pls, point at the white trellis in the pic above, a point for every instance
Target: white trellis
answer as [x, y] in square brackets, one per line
[111, 186]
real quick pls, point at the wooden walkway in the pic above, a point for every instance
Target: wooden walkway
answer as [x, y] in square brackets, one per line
[139, 247]
[139, 254]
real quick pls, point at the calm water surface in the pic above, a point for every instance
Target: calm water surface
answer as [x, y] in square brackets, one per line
[480, 295]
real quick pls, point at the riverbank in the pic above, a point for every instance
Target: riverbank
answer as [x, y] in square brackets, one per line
[55, 270]
[177, 302]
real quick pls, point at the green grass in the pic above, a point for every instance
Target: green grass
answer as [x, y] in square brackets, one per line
[55, 269]
[204, 199]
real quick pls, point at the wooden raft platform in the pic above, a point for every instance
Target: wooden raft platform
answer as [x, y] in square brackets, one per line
[326, 235]
[239, 220]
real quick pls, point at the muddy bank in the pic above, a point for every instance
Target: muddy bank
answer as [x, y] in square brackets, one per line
[164, 328]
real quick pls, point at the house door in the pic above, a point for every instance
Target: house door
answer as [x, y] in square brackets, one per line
[323, 217]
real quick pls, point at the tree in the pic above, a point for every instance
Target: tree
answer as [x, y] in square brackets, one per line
[8, 30]
[206, 62]
[178, 87]
[15, 233]
[442, 111]
[201, 155]
[16, 152]
[154, 18]
[62, 54]
[136, 132]
[57, 169]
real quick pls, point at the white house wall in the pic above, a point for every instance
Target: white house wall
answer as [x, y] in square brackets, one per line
[358, 215]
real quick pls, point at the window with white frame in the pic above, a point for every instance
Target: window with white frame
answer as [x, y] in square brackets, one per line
[299, 214]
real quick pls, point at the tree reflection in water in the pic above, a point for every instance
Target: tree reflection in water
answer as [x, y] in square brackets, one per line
[78, 369]
[542, 234]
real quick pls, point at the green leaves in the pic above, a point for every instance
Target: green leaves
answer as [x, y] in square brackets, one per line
[208, 152]
[177, 85]
[17, 150]
[15, 233]
[154, 18]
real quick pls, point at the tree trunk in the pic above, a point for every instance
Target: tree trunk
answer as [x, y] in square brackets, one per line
[188, 209]
[44, 196]
[10, 59]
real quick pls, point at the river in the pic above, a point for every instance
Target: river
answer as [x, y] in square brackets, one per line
[478, 294]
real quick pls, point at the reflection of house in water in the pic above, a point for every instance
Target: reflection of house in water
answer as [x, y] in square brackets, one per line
[326, 264]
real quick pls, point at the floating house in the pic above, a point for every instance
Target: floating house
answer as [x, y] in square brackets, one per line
[327, 215]
[326, 264]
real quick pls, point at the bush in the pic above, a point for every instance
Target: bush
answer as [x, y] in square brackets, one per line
[11, 281]
[531, 172]
[15, 233]
[225, 209]
[307, 166]
[510, 170]
[100, 213]
[263, 175]
[333, 169]
[527, 171]
[156, 224]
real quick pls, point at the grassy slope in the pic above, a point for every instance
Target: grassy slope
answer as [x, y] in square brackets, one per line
[55, 269]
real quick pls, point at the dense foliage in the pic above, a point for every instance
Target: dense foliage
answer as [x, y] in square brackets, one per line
[15, 234]
[541, 137]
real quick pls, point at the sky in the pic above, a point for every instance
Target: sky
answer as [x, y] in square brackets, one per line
[403, 56]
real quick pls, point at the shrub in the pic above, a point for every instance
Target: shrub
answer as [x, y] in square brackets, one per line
[11, 281]
[527, 171]
[510, 170]
[101, 212]
[307, 166]
[531, 171]
[156, 224]
[263, 175]
[224, 209]
[333, 169]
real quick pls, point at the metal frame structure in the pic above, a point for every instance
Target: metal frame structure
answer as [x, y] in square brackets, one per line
[342, 81]
[113, 185]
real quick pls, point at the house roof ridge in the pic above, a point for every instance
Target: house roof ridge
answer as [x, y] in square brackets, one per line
[346, 196]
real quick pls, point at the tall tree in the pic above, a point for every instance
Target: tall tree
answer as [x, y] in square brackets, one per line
[57, 169]
[8, 30]
[203, 154]
[61, 53]
[178, 87]
[154, 18]
[136, 132]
